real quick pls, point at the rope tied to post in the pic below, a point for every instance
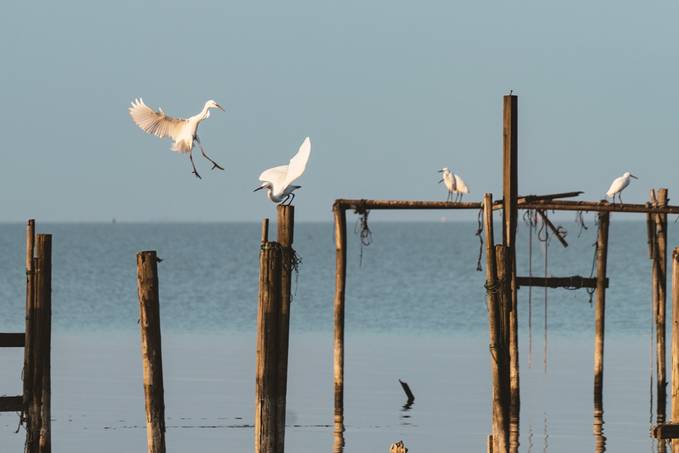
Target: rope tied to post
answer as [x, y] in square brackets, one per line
[292, 263]
[591, 291]
[362, 228]
[479, 234]
[580, 222]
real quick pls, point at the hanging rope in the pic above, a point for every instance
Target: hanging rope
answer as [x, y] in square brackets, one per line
[591, 291]
[543, 236]
[580, 222]
[479, 234]
[530, 219]
[362, 229]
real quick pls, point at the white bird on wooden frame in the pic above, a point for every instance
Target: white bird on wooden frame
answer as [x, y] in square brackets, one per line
[619, 184]
[183, 131]
[278, 180]
[454, 183]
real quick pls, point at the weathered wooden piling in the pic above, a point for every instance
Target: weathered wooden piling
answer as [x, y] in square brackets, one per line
[267, 385]
[675, 343]
[600, 311]
[151, 351]
[498, 362]
[30, 313]
[510, 216]
[659, 282]
[340, 217]
[285, 235]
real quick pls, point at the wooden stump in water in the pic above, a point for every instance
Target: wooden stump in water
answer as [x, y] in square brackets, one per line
[398, 447]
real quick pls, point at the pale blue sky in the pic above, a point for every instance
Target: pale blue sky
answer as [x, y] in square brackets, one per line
[388, 91]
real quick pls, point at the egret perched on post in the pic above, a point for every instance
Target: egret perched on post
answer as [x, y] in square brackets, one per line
[454, 183]
[184, 132]
[619, 184]
[278, 180]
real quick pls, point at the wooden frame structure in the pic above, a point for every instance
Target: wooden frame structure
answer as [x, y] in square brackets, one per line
[506, 418]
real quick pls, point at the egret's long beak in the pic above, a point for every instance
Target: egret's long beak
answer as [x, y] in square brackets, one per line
[440, 171]
[258, 188]
[220, 107]
[440, 181]
[632, 176]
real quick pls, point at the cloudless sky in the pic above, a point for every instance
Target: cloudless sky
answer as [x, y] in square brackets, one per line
[388, 91]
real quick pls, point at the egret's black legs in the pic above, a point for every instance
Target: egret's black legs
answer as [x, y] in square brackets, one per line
[202, 151]
[195, 172]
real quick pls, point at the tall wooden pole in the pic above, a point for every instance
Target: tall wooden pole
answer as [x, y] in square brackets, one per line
[660, 283]
[340, 217]
[675, 342]
[151, 351]
[510, 214]
[497, 345]
[285, 235]
[42, 393]
[600, 311]
[267, 388]
[30, 317]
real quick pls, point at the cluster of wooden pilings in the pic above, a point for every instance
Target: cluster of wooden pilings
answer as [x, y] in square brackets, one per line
[502, 284]
[35, 403]
[277, 261]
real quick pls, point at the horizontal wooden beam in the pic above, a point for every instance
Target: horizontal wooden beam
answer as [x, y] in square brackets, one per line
[666, 431]
[424, 204]
[12, 340]
[574, 281]
[11, 403]
[404, 204]
[597, 206]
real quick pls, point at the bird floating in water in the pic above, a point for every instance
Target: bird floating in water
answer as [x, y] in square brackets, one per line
[454, 183]
[619, 184]
[184, 132]
[278, 180]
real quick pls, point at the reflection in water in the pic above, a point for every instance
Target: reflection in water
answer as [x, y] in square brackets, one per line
[338, 446]
[598, 430]
[545, 446]
[530, 438]
[405, 416]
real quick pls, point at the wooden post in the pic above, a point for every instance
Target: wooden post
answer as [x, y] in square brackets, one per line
[30, 314]
[151, 351]
[340, 216]
[675, 342]
[510, 214]
[285, 235]
[42, 348]
[600, 311]
[660, 290]
[267, 387]
[497, 347]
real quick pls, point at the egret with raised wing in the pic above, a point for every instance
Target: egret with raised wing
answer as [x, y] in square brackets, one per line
[619, 184]
[454, 183]
[278, 180]
[183, 131]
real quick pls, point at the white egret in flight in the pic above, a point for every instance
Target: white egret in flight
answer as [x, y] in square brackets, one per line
[278, 180]
[184, 132]
[619, 184]
[454, 183]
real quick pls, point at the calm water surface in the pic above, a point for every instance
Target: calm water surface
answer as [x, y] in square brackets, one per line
[415, 311]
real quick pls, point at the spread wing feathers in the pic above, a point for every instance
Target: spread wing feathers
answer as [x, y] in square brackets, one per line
[275, 175]
[156, 123]
[298, 162]
[460, 186]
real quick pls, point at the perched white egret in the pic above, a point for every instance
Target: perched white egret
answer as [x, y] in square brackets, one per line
[184, 132]
[454, 183]
[619, 184]
[278, 180]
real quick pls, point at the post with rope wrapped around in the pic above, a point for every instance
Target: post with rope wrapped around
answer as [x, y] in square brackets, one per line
[497, 345]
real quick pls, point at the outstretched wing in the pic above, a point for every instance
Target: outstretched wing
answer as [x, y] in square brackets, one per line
[275, 175]
[156, 123]
[298, 162]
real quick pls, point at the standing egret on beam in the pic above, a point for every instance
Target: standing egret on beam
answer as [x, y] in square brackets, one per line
[184, 132]
[619, 184]
[454, 184]
[278, 180]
